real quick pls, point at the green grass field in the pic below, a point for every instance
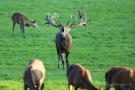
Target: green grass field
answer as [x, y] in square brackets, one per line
[109, 40]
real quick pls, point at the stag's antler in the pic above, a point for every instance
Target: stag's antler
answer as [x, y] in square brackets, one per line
[81, 15]
[82, 20]
[52, 20]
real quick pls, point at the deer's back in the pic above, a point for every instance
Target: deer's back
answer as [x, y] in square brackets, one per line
[34, 74]
[72, 72]
[120, 77]
[77, 75]
[74, 68]
[37, 64]
[18, 18]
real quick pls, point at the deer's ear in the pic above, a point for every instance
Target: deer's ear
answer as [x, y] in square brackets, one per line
[34, 21]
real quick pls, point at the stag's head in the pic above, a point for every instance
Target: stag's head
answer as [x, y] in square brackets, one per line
[63, 31]
[55, 21]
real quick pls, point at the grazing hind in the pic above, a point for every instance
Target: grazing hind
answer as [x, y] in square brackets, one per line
[34, 75]
[79, 77]
[121, 78]
[22, 21]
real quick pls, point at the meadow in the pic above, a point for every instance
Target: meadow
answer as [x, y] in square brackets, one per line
[109, 40]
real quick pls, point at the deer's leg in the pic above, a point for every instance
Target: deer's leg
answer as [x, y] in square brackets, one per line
[25, 87]
[67, 64]
[58, 60]
[58, 57]
[76, 87]
[22, 29]
[42, 86]
[13, 28]
[69, 87]
[62, 58]
[119, 88]
[108, 86]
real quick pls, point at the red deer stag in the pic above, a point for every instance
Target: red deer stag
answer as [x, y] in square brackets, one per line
[121, 78]
[79, 77]
[63, 39]
[34, 75]
[22, 21]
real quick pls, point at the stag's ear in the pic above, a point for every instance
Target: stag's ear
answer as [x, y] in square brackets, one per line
[34, 21]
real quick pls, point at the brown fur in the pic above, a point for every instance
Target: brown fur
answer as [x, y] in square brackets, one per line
[22, 21]
[121, 78]
[79, 77]
[34, 75]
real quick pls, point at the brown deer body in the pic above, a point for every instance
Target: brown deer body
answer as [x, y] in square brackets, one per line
[63, 39]
[34, 75]
[22, 21]
[79, 77]
[63, 43]
[121, 78]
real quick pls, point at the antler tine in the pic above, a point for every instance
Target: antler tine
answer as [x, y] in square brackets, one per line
[85, 18]
[59, 19]
[71, 26]
[73, 22]
[79, 14]
[69, 20]
[53, 18]
[47, 16]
